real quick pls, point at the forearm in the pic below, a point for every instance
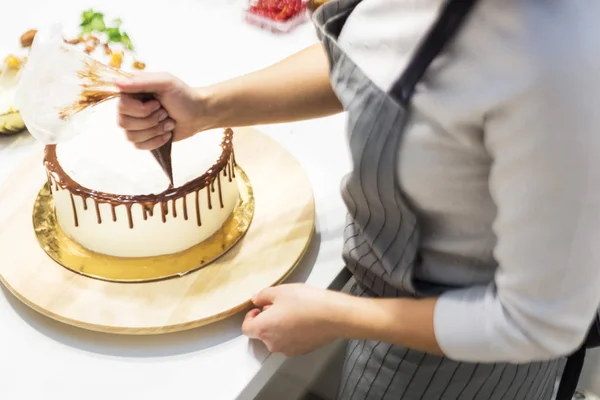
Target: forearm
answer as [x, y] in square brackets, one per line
[470, 324]
[404, 322]
[296, 88]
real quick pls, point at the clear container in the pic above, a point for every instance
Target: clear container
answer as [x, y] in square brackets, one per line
[270, 23]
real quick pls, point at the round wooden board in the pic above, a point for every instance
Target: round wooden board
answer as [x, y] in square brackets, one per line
[280, 233]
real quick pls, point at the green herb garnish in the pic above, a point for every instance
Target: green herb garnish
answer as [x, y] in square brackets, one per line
[92, 21]
[126, 41]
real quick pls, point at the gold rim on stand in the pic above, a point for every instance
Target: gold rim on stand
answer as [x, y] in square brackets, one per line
[76, 258]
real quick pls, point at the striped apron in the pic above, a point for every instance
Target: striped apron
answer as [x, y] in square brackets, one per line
[382, 240]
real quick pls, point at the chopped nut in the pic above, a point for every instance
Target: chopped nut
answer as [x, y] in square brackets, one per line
[139, 65]
[107, 49]
[75, 41]
[27, 38]
[116, 59]
[93, 39]
[89, 48]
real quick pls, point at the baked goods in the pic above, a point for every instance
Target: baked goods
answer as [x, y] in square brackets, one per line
[100, 38]
[114, 199]
[10, 70]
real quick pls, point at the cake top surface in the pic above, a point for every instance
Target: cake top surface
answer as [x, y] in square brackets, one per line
[100, 158]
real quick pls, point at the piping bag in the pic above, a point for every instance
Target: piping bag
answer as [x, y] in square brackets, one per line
[59, 82]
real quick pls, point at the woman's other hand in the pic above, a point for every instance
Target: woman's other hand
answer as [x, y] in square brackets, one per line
[295, 319]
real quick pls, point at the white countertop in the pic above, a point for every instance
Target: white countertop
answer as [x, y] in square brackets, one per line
[201, 41]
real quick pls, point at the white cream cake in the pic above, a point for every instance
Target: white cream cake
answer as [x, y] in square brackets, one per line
[114, 199]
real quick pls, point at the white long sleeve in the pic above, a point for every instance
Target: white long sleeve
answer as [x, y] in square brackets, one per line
[502, 163]
[545, 181]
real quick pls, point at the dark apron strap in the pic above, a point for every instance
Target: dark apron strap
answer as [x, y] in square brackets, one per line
[574, 365]
[570, 375]
[448, 22]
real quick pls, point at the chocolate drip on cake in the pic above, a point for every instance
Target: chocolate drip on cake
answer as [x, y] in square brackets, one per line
[209, 198]
[98, 215]
[129, 215]
[74, 210]
[198, 217]
[174, 211]
[58, 178]
[185, 214]
[220, 190]
[164, 210]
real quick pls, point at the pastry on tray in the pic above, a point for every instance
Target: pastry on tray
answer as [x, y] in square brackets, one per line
[10, 119]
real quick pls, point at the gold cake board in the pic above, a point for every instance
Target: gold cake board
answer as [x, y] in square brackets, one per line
[280, 232]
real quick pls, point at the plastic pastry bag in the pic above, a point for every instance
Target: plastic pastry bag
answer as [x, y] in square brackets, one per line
[58, 83]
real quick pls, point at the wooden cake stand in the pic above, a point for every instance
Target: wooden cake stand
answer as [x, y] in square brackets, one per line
[280, 232]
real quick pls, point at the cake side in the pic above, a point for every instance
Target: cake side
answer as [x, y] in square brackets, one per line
[148, 224]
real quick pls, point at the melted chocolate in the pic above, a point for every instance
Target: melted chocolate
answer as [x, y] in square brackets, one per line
[209, 198]
[163, 156]
[220, 190]
[185, 214]
[198, 216]
[225, 163]
[74, 209]
[164, 210]
[98, 215]
[129, 216]
[163, 153]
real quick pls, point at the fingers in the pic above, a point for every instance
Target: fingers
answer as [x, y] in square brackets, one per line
[151, 82]
[146, 125]
[265, 297]
[257, 326]
[250, 315]
[138, 124]
[250, 327]
[130, 106]
[141, 131]
[153, 143]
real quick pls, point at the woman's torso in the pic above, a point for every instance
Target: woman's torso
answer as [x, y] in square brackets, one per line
[444, 163]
